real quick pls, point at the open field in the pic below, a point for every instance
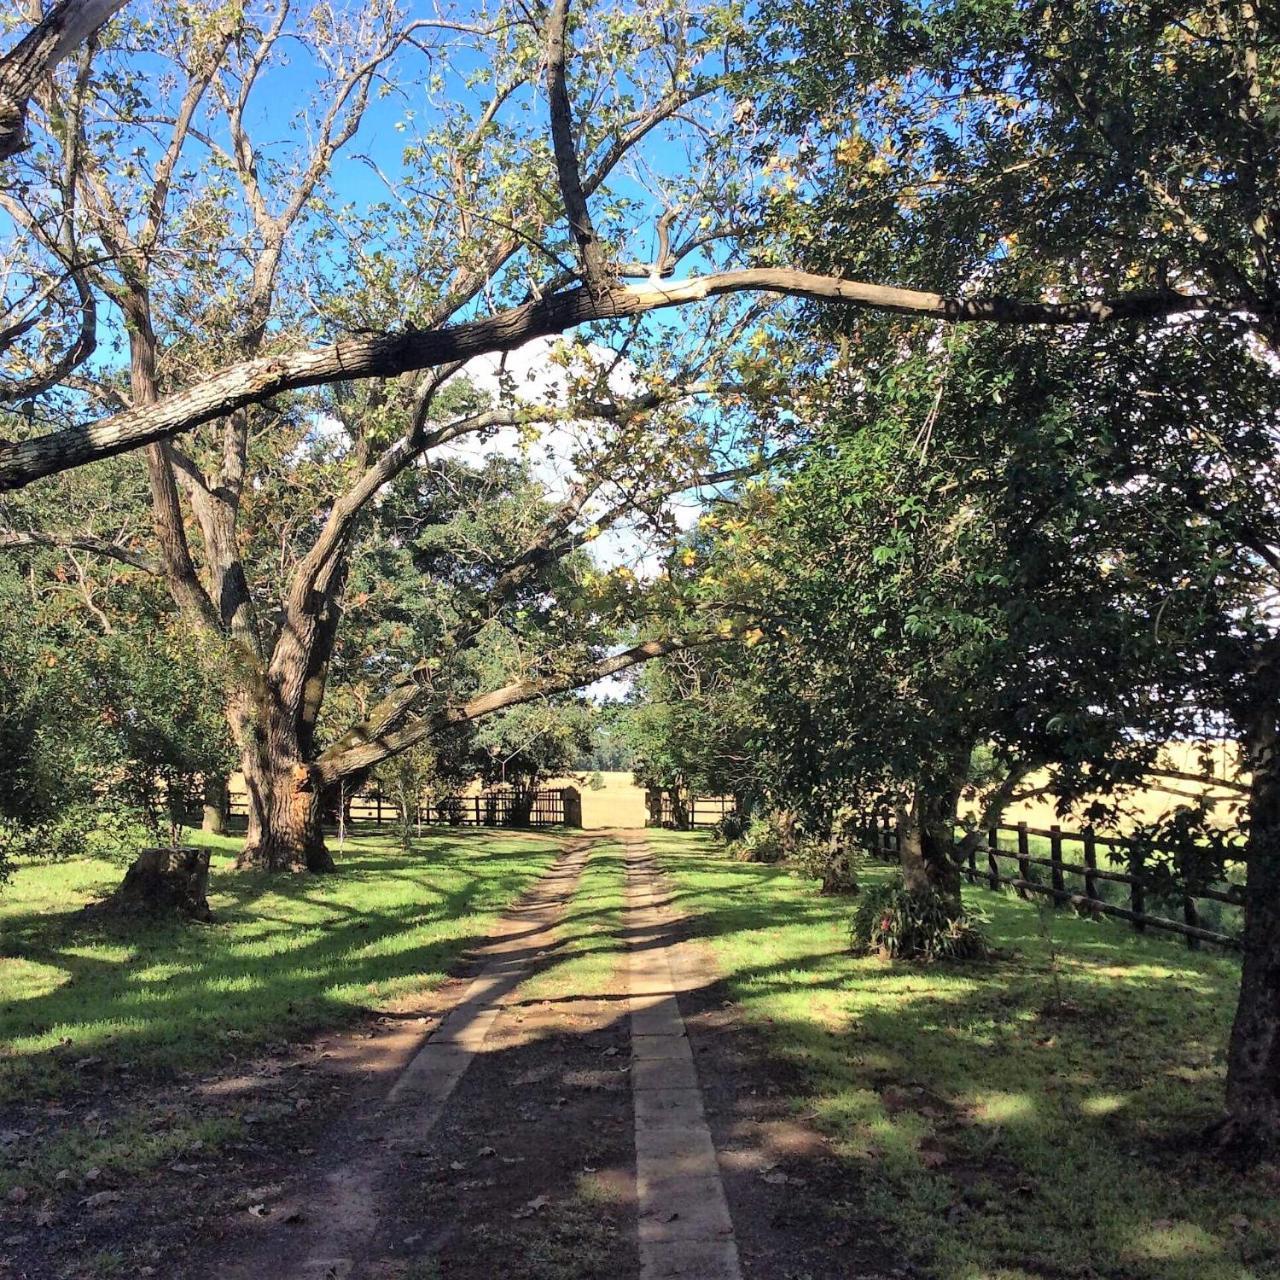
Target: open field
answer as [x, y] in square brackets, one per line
[1045, 1107]
[618, 802]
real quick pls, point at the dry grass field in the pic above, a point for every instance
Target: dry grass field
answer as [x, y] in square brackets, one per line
[618, 803]
[1153, 801]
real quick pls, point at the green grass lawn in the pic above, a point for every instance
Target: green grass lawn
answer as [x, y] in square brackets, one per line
[287, 955]
[591, 943]
[1023, 1118]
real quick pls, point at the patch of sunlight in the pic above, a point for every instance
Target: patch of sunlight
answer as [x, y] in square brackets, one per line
[1131, 972]
[1001, 1273]
[101, 953]
[273, 947]
[1194, 1075]
[999, 1107]
[852, 1114]
[1103, 1104]
[229, 982]
[29, 979]
[163, 973]
[87, 1035]
[1166, 1241]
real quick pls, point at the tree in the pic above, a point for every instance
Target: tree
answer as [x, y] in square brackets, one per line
[524, 747]
[281, 658]
[690, 730]
[1071, 145]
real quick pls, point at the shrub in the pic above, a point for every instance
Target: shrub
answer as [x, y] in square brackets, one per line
[731, 827]
[837, 868]
[766, 839]
[892, 921]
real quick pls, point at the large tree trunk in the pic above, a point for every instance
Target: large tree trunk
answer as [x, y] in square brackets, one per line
[926, 841]
[1253, 1058]
[285, 811]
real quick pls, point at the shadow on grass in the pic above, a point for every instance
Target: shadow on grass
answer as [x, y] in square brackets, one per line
[1030, 1117]
[285, 956]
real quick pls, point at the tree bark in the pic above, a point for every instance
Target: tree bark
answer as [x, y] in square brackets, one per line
[216, 804]
[161, 881]
[60, 32]
[285, 812]
[926, 841]
[1253, 1056]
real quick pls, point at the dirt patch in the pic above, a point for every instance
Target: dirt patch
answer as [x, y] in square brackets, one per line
[530, 1174]
[224, 1142]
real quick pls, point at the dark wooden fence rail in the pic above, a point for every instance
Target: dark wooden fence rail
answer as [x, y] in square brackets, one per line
[882, 838]
[698, 811]
[552, 807]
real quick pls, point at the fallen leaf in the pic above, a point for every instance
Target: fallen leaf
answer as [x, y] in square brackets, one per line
[531, 1207]
[100, 1198]
[258, 1210]
[486, 1152]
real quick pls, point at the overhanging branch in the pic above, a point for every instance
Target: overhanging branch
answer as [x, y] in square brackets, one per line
[61, 30]
[341, 762]
[22, 541]
[389, 354]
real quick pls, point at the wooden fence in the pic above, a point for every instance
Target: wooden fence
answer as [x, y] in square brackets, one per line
[700, 811]
[882, 839]
[554, 807]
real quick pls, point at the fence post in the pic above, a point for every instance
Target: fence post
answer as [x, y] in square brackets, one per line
[973, 863]
[1024, 860]
[1191, 916]
[1055, 869]
[571, 802]
[993, 863]
[1137, 890]
[1091, 865]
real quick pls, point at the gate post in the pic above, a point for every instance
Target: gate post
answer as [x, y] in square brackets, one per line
[572, 799]
[653, 806]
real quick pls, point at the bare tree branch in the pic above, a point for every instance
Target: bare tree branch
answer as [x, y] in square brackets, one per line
[59, 32]
[590, 250]
[390, 354]
[19, 541]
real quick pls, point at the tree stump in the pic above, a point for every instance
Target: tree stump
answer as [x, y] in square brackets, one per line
[163, 881]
